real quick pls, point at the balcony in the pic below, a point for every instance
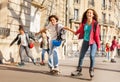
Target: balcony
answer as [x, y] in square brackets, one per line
[107, 22]
[37, 4]
[91, 3]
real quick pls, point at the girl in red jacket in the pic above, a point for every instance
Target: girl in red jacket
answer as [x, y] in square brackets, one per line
[113, 49]
[90, 33]
[107, 50]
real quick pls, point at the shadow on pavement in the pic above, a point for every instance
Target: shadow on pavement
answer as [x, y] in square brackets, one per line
[2, 67]
[5, 67]
[97, 68]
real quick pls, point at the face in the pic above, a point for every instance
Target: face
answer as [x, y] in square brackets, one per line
[53, 21]
[21, 31]
[89, 14]
[43, 35]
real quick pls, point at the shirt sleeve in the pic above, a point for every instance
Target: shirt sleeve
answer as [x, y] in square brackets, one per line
[47, 27]
[60, 26]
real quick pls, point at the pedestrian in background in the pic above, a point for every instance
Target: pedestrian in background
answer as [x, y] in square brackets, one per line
[22, 40]
[107, 51]
[90, 33]
[113, 49]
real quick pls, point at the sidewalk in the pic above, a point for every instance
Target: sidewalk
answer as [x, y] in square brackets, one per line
[99, 64]
[104, 71]
[69, 63]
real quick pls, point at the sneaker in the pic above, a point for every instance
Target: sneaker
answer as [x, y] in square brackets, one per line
[105, 60]
[113, 61]
[21, 64]
[51, 70]
[76, 73]
[34, 63]
[56, 68]
[91, 71]
[42, 63]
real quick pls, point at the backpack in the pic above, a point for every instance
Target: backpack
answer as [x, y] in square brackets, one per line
[60, 37]
[94, 30]
[41, 43]
[60, 33]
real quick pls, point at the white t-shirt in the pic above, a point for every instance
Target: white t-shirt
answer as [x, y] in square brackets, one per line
[52, 30]
[23, 40]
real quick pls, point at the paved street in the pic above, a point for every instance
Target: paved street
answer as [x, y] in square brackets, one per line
[104, 72]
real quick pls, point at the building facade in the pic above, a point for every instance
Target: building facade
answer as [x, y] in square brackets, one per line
[33, 15]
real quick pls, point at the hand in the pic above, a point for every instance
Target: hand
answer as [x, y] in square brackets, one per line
[36, 40]
[98, 49]
[36, 34]
[9, 45]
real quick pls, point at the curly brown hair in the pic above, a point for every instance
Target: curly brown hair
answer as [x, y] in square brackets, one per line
[53, 16]
[84, 17]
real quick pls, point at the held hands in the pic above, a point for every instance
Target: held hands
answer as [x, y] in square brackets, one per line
[98, 49]
[37, 33]
[69, 30]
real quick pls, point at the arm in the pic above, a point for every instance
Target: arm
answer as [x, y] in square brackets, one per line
[14, 40]
[30, 35]
[97, 36]
[66, 28]
[42, 30]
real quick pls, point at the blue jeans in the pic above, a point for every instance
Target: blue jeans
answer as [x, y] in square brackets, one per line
[53, 57]
[43, 53]
[108, 55]
[93, 49]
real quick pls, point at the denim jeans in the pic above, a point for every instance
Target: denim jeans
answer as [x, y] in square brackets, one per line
[43, 53]
[85, 46]
[27, 51]
[53, 57]
[108, 55]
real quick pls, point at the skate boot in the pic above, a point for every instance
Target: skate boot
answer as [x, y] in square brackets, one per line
[77, 72]
[113, 61]
[91, 72]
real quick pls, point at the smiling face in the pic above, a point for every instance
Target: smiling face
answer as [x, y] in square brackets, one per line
[53, 21]
[89, 14]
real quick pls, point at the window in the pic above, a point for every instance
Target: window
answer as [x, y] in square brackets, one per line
[76, 14]
[92, 2]
[109, 18]
[103, 17]
[119, 5]
[110, 4]
[103, 3]
[76, 1]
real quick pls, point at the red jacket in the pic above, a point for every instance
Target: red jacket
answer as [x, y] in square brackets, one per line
[94, 36]
[114, 44]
